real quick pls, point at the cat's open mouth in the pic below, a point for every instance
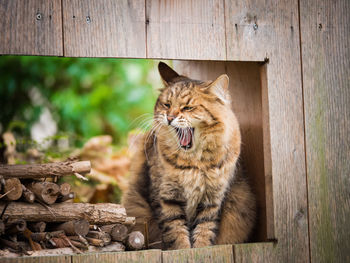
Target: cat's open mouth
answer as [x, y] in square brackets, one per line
[185, 136]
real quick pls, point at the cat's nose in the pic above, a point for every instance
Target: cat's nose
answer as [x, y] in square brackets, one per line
[170, 118]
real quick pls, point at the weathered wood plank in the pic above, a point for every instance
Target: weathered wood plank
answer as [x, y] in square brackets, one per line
[46, 259]
[104, 28]
[185, 29]
[325, 36]
[204, 255]
[31, 27]
[285, 111]
[256, 252]
[249, 30]
[245, 88]
[149, 256]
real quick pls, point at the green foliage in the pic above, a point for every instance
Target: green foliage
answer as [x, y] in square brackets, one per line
[87, 97]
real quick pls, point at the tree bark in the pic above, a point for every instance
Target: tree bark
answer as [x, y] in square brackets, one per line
[94, 213]
[34, 171]
[74, 227]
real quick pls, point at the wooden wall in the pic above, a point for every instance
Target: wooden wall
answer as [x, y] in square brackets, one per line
[305, 91]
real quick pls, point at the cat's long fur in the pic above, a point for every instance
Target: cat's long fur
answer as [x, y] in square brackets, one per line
[190, 197]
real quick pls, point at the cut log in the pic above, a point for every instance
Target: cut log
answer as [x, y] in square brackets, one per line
[118, 232]
[103, 213]
[45, 191]
[37, 227]
[105, 237]
[74, 227]
[15, 226]
[65, 189]
[135, 240]
[27, 195]
[12, 189]
[35, 171]
[66, 198]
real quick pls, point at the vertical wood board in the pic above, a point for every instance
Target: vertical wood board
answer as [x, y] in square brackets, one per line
[286, 127]
[144, 256]
[185, 29]
[31, 27]
[218, 254]
[104, 28]
[249, 30]
[325, 36]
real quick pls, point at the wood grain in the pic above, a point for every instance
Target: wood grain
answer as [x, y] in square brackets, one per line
[222, 253]
[102, 213]
[325, 36]
[149, 256]
[104, 28]
[250, 29]
[185, 29]
[245, 89]
[31, 27]
[256, 252]
[46, 259]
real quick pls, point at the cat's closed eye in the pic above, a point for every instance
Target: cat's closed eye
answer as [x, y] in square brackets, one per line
[187, 108]
[166, 105]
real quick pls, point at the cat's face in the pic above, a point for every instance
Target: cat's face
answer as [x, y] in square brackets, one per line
[185, 108]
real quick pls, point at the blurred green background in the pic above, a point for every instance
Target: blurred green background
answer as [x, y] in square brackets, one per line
[43, 99]
[85, 96]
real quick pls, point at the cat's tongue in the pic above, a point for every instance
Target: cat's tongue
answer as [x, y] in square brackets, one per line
[186, 138]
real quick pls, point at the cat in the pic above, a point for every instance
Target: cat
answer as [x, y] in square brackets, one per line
[183, 181]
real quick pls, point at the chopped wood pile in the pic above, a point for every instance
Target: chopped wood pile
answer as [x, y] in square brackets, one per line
[38, 214]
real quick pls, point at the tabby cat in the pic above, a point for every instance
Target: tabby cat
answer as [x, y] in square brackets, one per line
[183, 180]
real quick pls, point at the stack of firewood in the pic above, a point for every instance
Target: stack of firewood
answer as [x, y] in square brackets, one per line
[38, 214]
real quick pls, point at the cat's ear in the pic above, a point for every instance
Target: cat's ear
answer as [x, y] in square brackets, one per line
[220, 88]
[167, 73]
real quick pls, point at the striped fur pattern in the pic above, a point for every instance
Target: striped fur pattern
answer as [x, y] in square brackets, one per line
[183, 180]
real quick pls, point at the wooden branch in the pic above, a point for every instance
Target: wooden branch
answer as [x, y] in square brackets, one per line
[41, 236]
[27, 195]
[94, 213]
[105, 237]
[135, 240]
[34, 171]
[45, 191]
[74, 227]
[37, 227]
[95, 242]
[118, 232]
